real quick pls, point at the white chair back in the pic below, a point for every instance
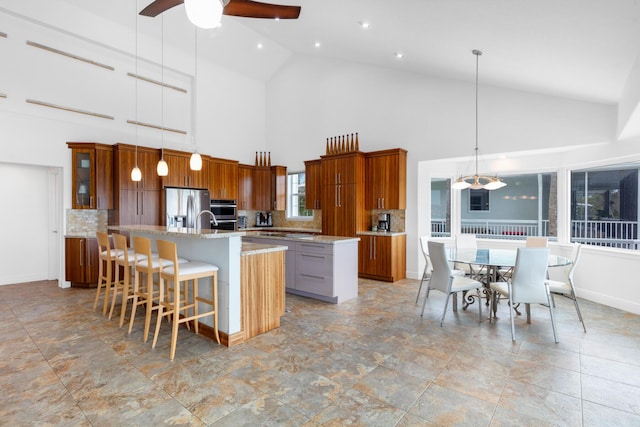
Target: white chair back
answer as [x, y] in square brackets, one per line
[536, 242]
[466, 241]
[529, 274]
[577, 250]
[424, 241]
[441, 273]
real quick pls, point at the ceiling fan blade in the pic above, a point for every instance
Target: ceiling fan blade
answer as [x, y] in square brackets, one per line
[159, 6]
[254, 9]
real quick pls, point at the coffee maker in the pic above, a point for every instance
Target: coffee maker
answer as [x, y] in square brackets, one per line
[384, 222]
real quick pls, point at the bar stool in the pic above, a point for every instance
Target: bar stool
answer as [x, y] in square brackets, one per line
[145, 262]
[106, 257]
[145, 293]
[181, 303]
[126, 260]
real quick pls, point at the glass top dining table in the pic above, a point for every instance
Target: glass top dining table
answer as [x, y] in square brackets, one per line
[494, 258]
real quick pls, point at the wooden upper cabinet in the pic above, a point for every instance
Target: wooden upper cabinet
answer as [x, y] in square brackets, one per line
[92, 175]
[245, 187]
[124, 160]
[386, 179]
[313, 184]
[262, 188]
[180, 174]
[270, 188]
[278, 188]
[223, 179]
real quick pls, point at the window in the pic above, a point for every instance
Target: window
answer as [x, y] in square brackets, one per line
[296, 197]
[527, 206]
[440, 207]
[604, 206]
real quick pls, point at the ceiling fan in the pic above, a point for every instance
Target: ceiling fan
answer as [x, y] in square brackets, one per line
[201, 9]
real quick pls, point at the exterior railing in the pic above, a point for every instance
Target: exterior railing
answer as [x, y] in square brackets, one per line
[494, 229]
[610, 233]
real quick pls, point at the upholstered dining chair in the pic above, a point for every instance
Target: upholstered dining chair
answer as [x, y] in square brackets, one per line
[526, 286]
[443, 279]
[564, 286]
[427, 266]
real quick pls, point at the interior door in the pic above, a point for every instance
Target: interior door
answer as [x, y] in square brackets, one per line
[55, 225]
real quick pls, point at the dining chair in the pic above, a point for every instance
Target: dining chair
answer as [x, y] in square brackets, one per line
[527, 285]
[536, 242]
[427, 266]
[564, 286]
[443, 279]
[469, 241]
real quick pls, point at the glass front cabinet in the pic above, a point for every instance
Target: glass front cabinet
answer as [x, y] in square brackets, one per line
[92, 175]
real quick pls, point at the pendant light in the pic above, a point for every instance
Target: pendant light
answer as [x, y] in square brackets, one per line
[195, 163]
[136, 173]
[478, 182]
[204, 13]
[163, 168]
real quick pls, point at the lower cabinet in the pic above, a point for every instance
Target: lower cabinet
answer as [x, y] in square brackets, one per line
[81, 261]
[382, 257]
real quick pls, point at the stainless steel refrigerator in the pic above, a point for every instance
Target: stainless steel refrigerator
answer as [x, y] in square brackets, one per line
[182, 206]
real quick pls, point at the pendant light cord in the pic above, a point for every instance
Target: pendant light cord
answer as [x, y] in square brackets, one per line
[136, 97]
[477, 53]
[162, 87]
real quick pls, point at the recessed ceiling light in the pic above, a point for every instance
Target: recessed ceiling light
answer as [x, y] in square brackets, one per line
[399, 55]
[260, 45]
[317, 44]
[364, 24]
[277, 18]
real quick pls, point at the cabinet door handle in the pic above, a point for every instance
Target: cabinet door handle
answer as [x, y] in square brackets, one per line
[91, 201]
[339, 196]
[312, 256]
[370, 247]
[383, 203]
[312, 276]
[375, 248]
[81, 253]
[142, 204]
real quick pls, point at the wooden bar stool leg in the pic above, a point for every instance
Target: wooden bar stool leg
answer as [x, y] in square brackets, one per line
[136, 289]
[149, 305]
[116, 283]
[126, 293]
[214, 291]
[160, 312]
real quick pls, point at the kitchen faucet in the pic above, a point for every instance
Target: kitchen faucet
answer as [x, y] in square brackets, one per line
[215, 222]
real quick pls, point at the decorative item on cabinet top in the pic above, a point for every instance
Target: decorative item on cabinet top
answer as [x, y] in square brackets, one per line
[263, 158]
[342, 144]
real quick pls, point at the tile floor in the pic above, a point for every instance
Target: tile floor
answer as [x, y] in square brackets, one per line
[372, 361]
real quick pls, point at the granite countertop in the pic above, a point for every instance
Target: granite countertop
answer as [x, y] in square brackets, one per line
[162, 230]
[301, 237]
[81, 234]
[381, 233]
[249, 248]
[284, 229]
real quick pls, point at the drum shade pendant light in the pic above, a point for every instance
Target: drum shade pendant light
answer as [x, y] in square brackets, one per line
[136, 173]
[162, 168]
[478, 182]
[195, 163]
[204, 13]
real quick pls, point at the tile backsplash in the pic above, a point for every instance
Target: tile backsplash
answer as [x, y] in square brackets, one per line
[86, 220]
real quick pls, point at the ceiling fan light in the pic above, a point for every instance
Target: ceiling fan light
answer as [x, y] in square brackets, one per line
[196, 161]
[204, 13]
[477, 185]
[136, 174]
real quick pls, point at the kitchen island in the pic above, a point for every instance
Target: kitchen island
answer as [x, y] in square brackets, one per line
[317, 266]
[240, 314]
